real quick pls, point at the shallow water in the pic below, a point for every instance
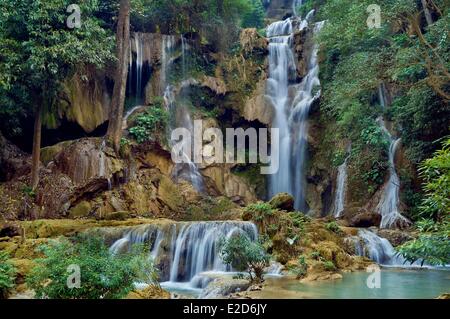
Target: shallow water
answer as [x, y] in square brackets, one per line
[395, 284]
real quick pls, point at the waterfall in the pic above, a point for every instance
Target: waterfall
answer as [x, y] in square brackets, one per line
[292, 103]
[180, 114]
[376, 248]
[139, 63]
[295, 5]
[341, 189]
[388, 206]
[191, 248]
[168, 46]
[380, 250]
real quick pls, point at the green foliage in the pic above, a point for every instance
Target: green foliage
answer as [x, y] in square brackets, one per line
[329, 265]
[7, 275]
[38, 51]
[357, 59]
[433, 244]
[259, 211]
[299, 220]
[102, 274]
[436, 175]
[426, 225]
[150, 125]
[254, 18]
[244, 255]
[316, 255]
[301, 268]
[433, 248]
[334, 227]
[216, 21]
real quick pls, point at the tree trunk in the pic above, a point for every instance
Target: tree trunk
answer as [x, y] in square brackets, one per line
[36, 156]
[120, 79]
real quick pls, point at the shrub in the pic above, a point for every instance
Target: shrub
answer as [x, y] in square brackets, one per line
[426, 225]
[329, 265]
[301, 269]
[316, 255]
[333, 226]
[7, 275]
[431, 248]
[150, 125]
[103, 275]
[259, 210]
[244, 255]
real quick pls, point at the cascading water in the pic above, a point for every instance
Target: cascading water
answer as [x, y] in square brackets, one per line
[139, 63]
[388, 206]
[191, 248]
[180, 115]
[341, 189]
[378, 249]
[292, 103]
[295, 5]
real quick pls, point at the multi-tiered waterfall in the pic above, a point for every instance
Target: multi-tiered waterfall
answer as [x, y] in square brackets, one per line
[292, 102]
[183, 251]
[388, 206]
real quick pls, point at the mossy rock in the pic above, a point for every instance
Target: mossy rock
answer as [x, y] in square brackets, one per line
[151, 292]
[29, 249]
[23, 268]
[9, 246]
[83, 209]
[283, 201]
[48, 153]
[118, 216]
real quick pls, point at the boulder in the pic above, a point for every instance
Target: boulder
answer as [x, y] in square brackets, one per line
[365, 219]
[282, 201]
[151, 292]
[223, 287]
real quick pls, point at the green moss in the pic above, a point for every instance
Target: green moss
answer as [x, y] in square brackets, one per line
[83, 209]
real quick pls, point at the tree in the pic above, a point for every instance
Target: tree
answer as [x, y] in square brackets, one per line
[120, 79]
[244, 255]
[433, 244]
[102, 274]
[39, 51]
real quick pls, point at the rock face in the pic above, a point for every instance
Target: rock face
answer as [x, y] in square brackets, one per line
[85, 159]
[230, 185]
[279, 9]
[283, 201]
[85, 100]
[250, 41]
[13, 162]
[365, 219]
[258, 107]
